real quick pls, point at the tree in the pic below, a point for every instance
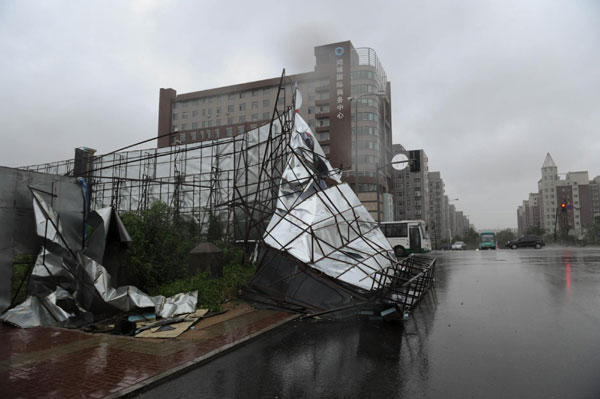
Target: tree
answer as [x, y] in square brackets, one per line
[505, 235]
[160, 244]
[536, 231]
[215, 230]
[592, 234]
[471, 238]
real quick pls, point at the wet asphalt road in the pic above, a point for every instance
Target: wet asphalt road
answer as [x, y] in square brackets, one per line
[500, 324]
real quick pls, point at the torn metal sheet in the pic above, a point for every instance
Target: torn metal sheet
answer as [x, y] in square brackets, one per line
[78, 281]
[128, 297]
[17, 230]
[42, 311]
[102, 222]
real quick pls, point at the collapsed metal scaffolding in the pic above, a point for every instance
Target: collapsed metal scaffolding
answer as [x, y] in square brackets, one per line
[318, 249]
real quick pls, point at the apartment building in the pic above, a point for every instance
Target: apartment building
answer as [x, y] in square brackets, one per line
[410, 190]
[437, 222]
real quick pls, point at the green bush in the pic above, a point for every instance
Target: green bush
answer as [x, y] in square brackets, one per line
[213, 291]
[159, 248]
[156, 261]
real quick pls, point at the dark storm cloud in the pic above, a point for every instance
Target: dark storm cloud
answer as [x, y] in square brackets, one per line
[486, 88]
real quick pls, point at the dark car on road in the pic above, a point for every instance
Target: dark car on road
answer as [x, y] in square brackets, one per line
[526, 241]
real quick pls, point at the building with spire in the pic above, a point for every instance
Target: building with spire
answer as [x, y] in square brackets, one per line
[580, 196]
[547, 194]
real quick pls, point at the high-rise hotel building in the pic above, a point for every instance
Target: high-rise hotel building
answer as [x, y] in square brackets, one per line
[346, 101]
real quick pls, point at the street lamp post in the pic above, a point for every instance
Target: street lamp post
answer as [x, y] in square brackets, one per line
[355, 99]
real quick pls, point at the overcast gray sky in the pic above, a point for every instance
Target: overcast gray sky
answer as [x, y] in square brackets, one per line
[486, 88]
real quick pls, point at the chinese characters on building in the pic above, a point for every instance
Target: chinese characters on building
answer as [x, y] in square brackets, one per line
[339, 84]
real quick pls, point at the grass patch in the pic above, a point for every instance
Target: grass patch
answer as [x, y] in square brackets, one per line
[21, 271]
[213, 291]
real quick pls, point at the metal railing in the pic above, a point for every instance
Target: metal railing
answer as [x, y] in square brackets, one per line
[404, 284]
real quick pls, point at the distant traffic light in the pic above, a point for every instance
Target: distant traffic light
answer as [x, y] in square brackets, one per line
[563, 206]
[414, 161]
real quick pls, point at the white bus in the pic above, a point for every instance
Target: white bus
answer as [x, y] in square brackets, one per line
[407, 236]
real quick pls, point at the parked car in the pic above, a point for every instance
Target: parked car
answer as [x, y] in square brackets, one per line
[526, 241]
[459, 245]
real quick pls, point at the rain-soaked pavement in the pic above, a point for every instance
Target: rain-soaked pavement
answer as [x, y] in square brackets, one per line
[501, 324]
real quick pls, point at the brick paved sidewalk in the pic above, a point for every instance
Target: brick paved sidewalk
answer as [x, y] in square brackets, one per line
[58, 363]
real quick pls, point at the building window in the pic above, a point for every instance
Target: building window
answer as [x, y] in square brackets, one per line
[218, 122]
[254, 93]
[230, 121]
[174, 128]
[194, 114]
[218, 111]
[209, 111]
[229, 131]
[254, 117]
[254, 104]
[240, 129]
[266, 115]
[266, 91]
[174, 117]
[242, 119]
[230, 108]
[182, 137]
[324, 108]
[193, 136]
[243, 94]
[194, 125]
[324, 122]
[323, 136]
[230, 96]
[184, 126]
[325, 149]
[242, 107]
[367, 116]
[266, 103]
[210, 123]
[363, 75]
[204, 112]
[358, 89]
[203, 123]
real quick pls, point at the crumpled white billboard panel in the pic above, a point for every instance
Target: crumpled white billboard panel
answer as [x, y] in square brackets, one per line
[325, 227]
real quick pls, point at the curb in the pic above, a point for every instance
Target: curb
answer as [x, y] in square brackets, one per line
[182, 368]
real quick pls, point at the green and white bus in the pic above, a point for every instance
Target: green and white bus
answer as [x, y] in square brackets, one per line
[407, 236]
[487, 240]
